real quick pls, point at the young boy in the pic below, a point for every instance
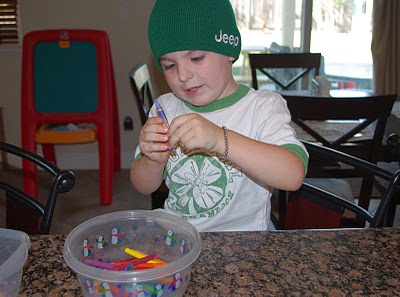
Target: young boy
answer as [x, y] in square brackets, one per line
[233, 144]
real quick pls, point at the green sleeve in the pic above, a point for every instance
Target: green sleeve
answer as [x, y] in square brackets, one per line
[300, 151]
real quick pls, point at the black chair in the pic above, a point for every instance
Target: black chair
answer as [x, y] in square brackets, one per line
[324, 199]
[141, 85]
[22, 208]
[269, 64]
[391, 154]
[318, 117]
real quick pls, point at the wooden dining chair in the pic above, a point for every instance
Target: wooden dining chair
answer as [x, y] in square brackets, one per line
[296, 66]
[68, 81]
[392, 155]
[296, 214]
[141, 85]
[24, 212]
[318, 116]
[361, 122]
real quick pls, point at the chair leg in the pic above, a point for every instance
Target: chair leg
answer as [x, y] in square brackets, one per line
[157, 200]
[392, 210]
[159, 196]
[106, 166]
[4, 159]
[282, 208]
[365, 192]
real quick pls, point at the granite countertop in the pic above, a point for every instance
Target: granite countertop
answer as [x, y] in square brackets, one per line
[295, 263]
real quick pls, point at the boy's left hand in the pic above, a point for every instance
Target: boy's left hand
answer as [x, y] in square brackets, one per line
[193, 132]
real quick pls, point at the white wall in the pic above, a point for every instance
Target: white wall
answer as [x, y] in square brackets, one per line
[126, 23]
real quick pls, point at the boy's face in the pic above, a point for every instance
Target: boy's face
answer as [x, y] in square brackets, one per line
[199, 77]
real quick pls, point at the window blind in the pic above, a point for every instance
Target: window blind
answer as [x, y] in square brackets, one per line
[8, 21]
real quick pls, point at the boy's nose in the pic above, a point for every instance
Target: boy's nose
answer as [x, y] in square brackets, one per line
[184, 73]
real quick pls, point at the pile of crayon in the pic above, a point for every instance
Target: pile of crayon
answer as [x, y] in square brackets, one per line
[138, 261]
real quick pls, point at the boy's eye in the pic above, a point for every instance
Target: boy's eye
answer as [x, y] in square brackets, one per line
[198, 58]
[168, 67]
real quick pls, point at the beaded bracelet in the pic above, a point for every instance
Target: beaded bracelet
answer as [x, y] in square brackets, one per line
[225, 156]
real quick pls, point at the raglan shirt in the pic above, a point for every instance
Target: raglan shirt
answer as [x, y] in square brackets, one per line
[215, 195]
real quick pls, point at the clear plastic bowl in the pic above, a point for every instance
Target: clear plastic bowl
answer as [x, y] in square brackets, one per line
[105, 237]
[14, 247]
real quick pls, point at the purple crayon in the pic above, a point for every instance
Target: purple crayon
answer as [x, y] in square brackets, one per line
[161, 114]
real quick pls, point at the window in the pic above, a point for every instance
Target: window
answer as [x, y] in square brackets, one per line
[266, 26]
[9, 22]
[340, 30]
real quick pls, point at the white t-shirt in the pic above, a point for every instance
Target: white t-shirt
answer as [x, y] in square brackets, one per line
[216, 196]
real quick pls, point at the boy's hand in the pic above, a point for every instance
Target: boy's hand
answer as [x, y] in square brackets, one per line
[194, 132]
[153, 140]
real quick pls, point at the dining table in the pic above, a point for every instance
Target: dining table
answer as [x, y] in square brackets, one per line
[336, 262]
[336, 128]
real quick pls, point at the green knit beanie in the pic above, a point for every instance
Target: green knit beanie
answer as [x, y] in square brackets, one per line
[182, 25]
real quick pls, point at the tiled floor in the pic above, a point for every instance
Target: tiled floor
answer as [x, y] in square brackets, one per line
[82, 202]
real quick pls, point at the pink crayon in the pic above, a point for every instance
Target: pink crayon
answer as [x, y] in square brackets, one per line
[99, 264]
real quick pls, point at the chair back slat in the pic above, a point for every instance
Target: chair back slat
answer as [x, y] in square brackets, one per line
[265, 62]
[142, 89]
[141, 85]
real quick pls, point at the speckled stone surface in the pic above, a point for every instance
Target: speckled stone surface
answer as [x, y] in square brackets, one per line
[45, 271]
[292, 263]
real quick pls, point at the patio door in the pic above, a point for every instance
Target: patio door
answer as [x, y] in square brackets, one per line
[340, 30]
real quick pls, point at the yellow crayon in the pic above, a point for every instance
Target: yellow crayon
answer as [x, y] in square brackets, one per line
[139, 255]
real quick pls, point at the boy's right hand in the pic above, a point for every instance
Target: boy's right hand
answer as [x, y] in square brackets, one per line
[153, 140]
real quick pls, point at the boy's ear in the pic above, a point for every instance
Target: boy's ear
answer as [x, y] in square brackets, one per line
[231, 59]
